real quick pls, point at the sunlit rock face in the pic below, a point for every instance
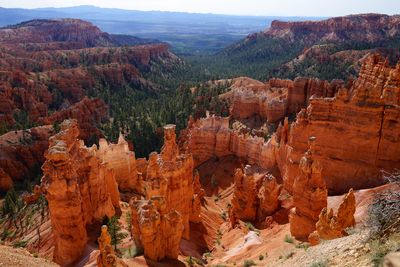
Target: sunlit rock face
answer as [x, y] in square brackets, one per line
[122, 161]
[255, 195]
[356, 132]
[309, 197]
[171, 199]
[80, 190]
[277, 98]
[331, 225]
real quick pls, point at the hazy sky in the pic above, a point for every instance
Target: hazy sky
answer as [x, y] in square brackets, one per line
[242, 7]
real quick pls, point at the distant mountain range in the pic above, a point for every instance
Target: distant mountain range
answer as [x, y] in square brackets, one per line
[188, 33]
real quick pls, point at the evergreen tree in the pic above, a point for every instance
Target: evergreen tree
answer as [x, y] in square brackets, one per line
[114, 230]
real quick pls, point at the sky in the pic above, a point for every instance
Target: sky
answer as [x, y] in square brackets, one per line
[234, 7]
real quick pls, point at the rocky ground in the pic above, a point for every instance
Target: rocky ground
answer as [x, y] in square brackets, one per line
[19, 257]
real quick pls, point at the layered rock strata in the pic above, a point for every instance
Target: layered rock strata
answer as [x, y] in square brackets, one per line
[255, 196]
[107, 256]
[309, 197]
[171, 198]
[277, 98]
[79, 188]
[122, 161]
[330, 225]
[357, 132]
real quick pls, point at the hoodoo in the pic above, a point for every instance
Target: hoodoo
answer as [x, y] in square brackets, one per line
[80, 190]
[172, 195]
[309, 196]
[250, 173]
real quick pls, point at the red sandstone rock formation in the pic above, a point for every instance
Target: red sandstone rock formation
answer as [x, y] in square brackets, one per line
[198, 195]
[122, 161]
[331, 226]
[157, 229]
[268, 197]
[172, 198]
[212, 136]
[43, 31]
[355, 130]
[107, 256]
[255, 196]
[276, 99]
[88, 112]
[309, 197]
[21, 154]
[362, 28]
[356, 133]
[79, 189]
[42, 70]
[244, 201]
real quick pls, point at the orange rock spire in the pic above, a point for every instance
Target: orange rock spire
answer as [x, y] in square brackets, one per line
[172, 198]
[107, 256]
[309, 196]
[79, 189]
[331, 226]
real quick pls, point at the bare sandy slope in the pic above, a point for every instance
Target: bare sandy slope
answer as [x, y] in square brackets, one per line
[18, 257]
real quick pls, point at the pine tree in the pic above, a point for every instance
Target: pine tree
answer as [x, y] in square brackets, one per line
[114, 230]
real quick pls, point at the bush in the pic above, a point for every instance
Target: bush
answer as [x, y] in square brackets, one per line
[323, 263]
[305, 246]
[261, 257]
[384, 213]
[20, 244]
[224, 216]
[289, 239]
[251, 227]
[249, 263]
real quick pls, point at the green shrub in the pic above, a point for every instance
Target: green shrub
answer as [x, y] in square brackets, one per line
[289, 239]
[20, 244]
[251, 227]
[322, 263]
[305, 246]
[261, 257]
[224, 216]
[249, 263]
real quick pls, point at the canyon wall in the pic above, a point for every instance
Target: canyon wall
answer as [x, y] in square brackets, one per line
[356, 131]
[361, 28]
[276, 99]
[21, 155]
[122, 161]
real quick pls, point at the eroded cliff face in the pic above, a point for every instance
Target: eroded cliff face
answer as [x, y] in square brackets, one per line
[330, 225]
[79, 188]
[212, 137]
[356, 132]
[366, 27]
[122, 161]
[276, 99]
[255, 196]
[21, 154]
[309, 197]
[171, 199]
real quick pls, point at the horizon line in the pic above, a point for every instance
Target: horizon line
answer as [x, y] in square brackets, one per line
[201, 13]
